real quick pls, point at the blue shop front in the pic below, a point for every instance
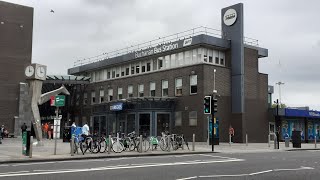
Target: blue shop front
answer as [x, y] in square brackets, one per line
[308, 122]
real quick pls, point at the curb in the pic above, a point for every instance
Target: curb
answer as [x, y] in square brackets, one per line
[313, 149]
[97, 157]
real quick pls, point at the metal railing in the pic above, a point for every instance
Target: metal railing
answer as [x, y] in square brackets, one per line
[159, 41]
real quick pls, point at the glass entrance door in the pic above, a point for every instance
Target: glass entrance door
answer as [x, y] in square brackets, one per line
[163, 123]
[144, 124]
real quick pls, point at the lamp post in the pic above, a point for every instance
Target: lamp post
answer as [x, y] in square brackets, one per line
[214, 92]
[280, 83]
[277, 123]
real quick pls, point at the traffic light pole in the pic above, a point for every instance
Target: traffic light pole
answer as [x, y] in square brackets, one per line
[212, 122]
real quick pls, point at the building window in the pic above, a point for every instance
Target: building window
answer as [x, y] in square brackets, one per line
[194, 56]
[148, 66]
[138, 68]
[167, 61]
[85, 99]
[113, 73]
[221, 55]
[154, 64]
[120, 93]
[117, 71]
[180, 58]
[193, 118]
[193, 84]
[178, 118]
[110, 94]
[101, 99]
[187, 58]
[205, 57]
[216, 56]
[152, 89]
[200, 53]
[143, 67]
[164, 87]
[132, 69]
[130, 91]
[93, 97]
[108, 75]
[210, 55]
[122, 70]
[173, 60]
[179, 87]
[160, 62]
[141, 88]
[127, 71]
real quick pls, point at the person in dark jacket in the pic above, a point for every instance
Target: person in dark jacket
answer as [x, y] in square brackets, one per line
[24, 127]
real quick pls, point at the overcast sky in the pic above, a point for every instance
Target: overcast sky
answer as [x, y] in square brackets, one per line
[85, 28]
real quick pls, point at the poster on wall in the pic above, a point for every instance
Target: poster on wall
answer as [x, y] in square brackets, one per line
[311, 130]
[215, 126]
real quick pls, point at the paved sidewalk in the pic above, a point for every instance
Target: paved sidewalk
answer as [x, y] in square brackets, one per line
[11, 150]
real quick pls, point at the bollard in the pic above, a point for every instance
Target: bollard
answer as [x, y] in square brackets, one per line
[275, 141]
[109, 144]
[315, 142]
[72, 146]
[246, 139]
[268, 140]
[229, 139]
[30, 150]
[140, 145]
[193, 142]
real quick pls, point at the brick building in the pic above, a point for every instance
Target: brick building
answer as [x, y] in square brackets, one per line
[160, 85]
[16, 25]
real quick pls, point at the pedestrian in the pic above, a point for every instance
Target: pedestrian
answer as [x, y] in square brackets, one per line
[2, 131]
[49, 131]
[45, 129]
[24, 128]
[85, 130]
[231, 133]
[73, 125]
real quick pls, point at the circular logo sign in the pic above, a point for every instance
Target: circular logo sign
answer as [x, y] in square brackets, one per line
[230, 17]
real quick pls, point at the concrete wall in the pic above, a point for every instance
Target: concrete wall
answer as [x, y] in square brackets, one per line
[15, 55]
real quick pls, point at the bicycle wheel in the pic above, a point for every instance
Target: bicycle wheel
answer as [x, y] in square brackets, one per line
[95, 147]
[117, 147]
[145, 145]
[103, 146]
[163, 145]
[132, 146]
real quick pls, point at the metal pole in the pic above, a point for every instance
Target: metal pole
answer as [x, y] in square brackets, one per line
[246, 139]
[193, 142]
[169, 142]
[56, 128]
[72, 146]
[229, 139]
[140, 145]
[31, 142]
[315, 142]
[268, 140]
[109, 144]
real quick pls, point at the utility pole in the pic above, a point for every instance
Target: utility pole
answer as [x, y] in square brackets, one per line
[277, 123]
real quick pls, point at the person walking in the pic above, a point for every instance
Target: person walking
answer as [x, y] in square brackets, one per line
[49, 131]
[231, 133]
[24, 128]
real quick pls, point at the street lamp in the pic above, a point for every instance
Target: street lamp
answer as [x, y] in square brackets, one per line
[280, 83]
[214, 92]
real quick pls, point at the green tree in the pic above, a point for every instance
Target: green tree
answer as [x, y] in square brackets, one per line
[274, 105]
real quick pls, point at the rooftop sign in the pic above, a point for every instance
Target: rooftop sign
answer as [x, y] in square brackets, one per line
[302, 113]
[230, 17]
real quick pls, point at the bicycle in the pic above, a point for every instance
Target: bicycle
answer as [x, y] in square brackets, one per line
[89, 144]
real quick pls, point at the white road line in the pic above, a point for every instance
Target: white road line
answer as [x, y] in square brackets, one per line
[14, 172]
[122, 167]
[27, 164]
[193, 177]
[216, 156]
[261, 172]
[250, 174]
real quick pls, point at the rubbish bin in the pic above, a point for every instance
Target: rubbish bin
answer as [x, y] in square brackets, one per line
[296, 139]
[287, 141]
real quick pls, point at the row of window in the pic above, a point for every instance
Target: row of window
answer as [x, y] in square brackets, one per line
[170, 61]
[141, 92]
[192, 118]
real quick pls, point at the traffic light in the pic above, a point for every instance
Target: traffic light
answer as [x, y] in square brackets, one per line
[207, 104]
[215, 105]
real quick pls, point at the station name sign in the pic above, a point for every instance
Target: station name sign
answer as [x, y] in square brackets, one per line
[116, 107]
[162, 48]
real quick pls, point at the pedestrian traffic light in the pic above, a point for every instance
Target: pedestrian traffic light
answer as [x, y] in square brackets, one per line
[207, 105]
[215, 105]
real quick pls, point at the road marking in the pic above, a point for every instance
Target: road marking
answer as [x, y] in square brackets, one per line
[27, 164]
[251, 174]
[119, 167]
[14, 172]
[193, 177]
[215, 156]
[4, 165]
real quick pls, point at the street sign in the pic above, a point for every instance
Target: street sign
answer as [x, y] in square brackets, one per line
[59, 100]
[24, 143]
[52, 100]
